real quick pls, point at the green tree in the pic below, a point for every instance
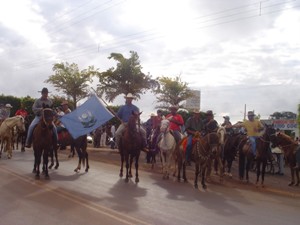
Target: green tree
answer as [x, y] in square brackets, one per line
[172, 91]
[72, 82]
[126, 78]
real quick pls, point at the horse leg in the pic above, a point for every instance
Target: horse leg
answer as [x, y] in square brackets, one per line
[127, 168]
[122, 162]
[37, 164]
[292, 176]
[258, 162]
[203, 178]
[196, 175]
[263, 173]
[87, 162]
[52, 158]
[137, 169]
[56, 158]
[229, 165]
[45, 161]
[79, 164]
[130, 165]
[241, 166]
[221, 169]
[248, 165]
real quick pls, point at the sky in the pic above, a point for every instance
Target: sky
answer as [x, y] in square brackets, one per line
[239, 54]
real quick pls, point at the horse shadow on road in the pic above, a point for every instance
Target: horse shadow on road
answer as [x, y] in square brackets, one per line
[124, 196]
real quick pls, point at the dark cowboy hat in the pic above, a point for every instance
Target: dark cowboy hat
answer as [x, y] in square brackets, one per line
[174, 107]
[209, 113]
[251, 113]
[44, 90]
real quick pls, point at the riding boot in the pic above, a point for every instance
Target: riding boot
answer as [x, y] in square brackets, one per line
[29, 142]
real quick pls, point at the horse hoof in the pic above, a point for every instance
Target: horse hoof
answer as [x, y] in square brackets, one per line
[137, 180]
[87, 170]
[291, 184]
[69, 156]
[204, 187]
[126, 180]
[297, 184]
[76, 170]
[196, 186]
[56, 167]
[185, 180]
[121, 175]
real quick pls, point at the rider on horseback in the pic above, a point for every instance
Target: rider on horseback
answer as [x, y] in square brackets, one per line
[37, 109]
[176, 121]
[210, 124]
[193, 124]
[123, 114]
[253, 128]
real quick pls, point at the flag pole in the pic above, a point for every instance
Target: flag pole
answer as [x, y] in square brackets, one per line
[107, 106]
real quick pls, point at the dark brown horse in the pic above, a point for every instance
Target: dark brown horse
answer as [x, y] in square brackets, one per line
[289, 147]
[231, 145]
[131, 146]
[262, 155]
[43, 141]
[79, 144]
[204, 151]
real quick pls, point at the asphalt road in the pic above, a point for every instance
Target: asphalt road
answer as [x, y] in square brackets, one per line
[101, 197]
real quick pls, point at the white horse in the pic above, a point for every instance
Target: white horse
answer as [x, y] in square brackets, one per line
[6, 132]
[167, 145]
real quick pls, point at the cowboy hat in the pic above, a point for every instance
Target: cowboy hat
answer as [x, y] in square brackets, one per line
[226, 117]
[251, 113]
[44, 90]
[196, 111]
[129, 95]
[209, 113]
[8, 105]
[174, 107]
[64, 103]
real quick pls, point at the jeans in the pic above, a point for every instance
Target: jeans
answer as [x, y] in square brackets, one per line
[252, 140]
[189, 147]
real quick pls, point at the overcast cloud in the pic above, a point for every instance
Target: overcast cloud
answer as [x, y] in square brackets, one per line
[235, 52]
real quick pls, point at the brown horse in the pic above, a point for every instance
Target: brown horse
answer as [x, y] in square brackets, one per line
[131, 146]
[80, 144]
[262, 155]
[43, 142]
[203, 152]
[289, 147]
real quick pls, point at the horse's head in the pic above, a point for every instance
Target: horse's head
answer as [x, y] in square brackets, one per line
[270, 134]
[20, 123]
[213, 140]
[221, 132]
[48, 117]
[164, 127]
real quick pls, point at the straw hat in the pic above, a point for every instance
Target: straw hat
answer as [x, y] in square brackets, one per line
[129, 95]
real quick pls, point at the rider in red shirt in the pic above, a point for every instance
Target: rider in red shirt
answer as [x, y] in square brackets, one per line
[22, 112]
[176, 121]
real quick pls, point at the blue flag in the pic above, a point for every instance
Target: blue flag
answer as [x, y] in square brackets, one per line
[87, 117]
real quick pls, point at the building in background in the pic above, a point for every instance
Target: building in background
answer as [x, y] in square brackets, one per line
[193, 102]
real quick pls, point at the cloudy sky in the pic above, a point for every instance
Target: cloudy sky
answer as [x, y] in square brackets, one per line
[235, 52]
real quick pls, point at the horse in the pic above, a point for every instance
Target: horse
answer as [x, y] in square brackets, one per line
[79, 144]
[43, 142]
[152, 145]
[231, 145]
[166, 145]
[203, 152]
[131, 145]
[218, 156]
[6, 132]
[262, 155]
[21, 135]
[289, 147]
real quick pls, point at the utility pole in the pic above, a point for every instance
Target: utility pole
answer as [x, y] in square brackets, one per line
[245, 112]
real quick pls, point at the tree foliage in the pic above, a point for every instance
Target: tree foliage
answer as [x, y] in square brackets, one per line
[283, 115]
[72, 82]
[172, 91]
[126, 78]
